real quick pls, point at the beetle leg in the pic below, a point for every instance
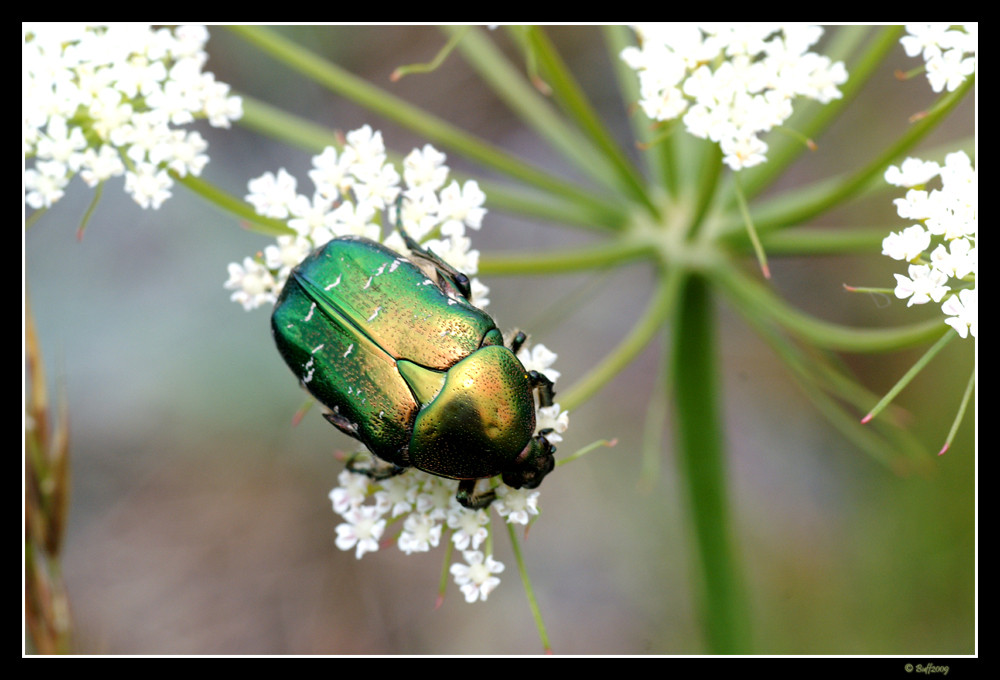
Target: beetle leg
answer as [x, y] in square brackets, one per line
[376, 468]
[545, 392]
[447, 274]
[342, 423]
[517, 341]
[537, 462]
[468, 497]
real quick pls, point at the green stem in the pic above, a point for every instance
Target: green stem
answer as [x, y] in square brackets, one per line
[536, 613]
[750, 293]
[230, 204]
[969, 386]
[911, 374]
[513, 89]
[570, 96]
[825, 241]
[702, 463]
[557, 262]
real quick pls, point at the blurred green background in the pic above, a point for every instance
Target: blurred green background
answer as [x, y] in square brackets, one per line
[200, 522]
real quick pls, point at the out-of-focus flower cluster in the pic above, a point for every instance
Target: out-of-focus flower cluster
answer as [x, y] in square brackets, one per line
[101, 101]
[731, 82]
[353, 189]
[941, 246]
[949, 52]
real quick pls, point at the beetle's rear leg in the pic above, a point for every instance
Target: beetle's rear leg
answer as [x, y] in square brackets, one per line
[376, 468]
[373, 466]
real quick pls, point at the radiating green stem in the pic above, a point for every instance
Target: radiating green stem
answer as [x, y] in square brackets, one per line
[570, 96]
[911, 374]
[536, 111]
[588, 257]
[970, 385]
[701, 458]
[536, 613]
[747, 291]
[230, 204]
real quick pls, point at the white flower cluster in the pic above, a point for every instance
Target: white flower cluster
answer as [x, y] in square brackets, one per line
[731, 82]
[946, 219]
[949, 52]
[352, 189]
[425, 505]
[103, 101]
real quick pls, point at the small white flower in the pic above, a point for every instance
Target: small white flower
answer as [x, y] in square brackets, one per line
[476, 578]
[398, 495]
[539, 358]
[362, 530]
[550, 417]
[44, 183]
[912, 172]
[331, 172]
[351, 492]
[962, 312]
[516, 505]
[948, 53]
[424, 170]
[252, 282]
[958, 261]
[461, 207]
[420, 534]
[469, 527]
[949, 70]
[435, 498]
[283, 257]
[923, 285]
[148, 185]
[908, 244]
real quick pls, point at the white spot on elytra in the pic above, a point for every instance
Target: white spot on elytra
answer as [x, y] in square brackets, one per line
[350, 348]
[312, 308]
[318, 348]
[375, 313]
[369, 283]
[334, 284]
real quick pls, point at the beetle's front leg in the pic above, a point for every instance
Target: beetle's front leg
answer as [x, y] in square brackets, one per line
[468, 497]
[545, 392]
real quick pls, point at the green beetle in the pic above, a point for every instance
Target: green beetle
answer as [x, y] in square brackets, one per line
[408, 366]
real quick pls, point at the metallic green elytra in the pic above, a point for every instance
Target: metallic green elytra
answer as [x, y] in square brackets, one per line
[408, 366]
